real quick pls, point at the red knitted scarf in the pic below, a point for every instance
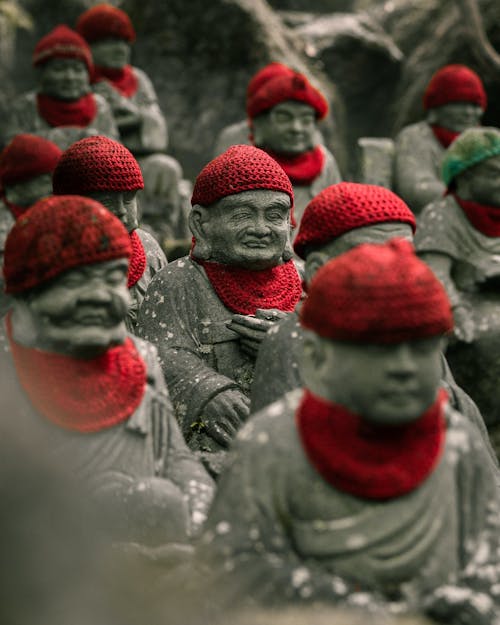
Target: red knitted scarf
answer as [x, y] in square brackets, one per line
[245, 290]
[303, 168]
[368, 461]
[78, 394]
[137, 263]
[61, 113]
[484, 218]
[123, 80]
[444, 135]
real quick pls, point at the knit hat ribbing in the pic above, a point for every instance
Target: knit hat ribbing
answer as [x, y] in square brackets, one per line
[104, 21]
[240, 168]
[286, 85]
[62, 43]
[265, 75]
[377, 294]
[27, 156]
[454, 83]
[345, 206]
[96, 164]
[470, 148]
[57, 234]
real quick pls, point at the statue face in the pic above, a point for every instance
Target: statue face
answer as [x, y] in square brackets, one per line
[123, 204]
[248, 229]
[385, 384]
[288, 128]
[481, 183]
[28, 192]
[457, 116]
[64, 79]
[81, 312]
[113, 53]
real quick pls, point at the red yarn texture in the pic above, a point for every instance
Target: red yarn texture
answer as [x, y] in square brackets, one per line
[378, 294]
[445, 136]
[96, 164]
[484, 218]
[57, 234]
[366, 460]
[303, 168]
[265, 75]
[345, 206]
[454, 83]
[244, 290]
[137, 263]
[78, 394]
[284, 87]
[104, 21]
[27, 156]
[63, 113]
[123, 80]
[240, 168]
[62, 43]
[15, 209]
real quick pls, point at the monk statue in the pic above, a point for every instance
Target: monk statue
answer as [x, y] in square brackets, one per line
[200, 311]
[106, 171]
[366, 481]
[459, 238]
[96, 391]
[454, 100]
[141, 123]
[26, 166]
[283, 110]
[63, 108]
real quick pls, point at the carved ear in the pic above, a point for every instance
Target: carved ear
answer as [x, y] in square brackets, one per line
[197, 220]
[288, 251]
[314, 261]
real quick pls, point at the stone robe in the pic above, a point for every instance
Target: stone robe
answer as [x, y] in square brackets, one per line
[6, 223]
[278, 532]
[417, 164]
[24, 117]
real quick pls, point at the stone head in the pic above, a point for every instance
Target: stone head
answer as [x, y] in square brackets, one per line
[346, 215]
[241, 211]
[455, 98]
[471, 166]
[283, 109]
[375, 321]
[66, 264]
[26, 166]
[64, 63]
[109, 32]
[103, 169]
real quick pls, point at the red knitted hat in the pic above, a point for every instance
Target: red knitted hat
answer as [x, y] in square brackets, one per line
[27, 156]
[345, 206]
[454, 83]
[96, 164]
[265, 75]
[104, 21]
[57, 234]
[282, 87]
[240, 168]
[62, 43]
[377, 294]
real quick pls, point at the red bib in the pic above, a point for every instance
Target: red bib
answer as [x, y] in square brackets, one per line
[244, 290]
[123, 80]
[484, 218]
[61, 113]
[365, 460]
[303, 168]
[444, 135]
[79, 394]
[137, 262]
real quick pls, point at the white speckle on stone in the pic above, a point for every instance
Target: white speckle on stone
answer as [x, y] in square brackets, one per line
[141, 486]
[273, 329]
[223, 527]
[356, 541]
[181, 263]
[254, 533]
[339, 586]
[161, 299]
[305, 592]
[274, 410]
[294, 335]
[169, 335]
[262, 438]
[198, 517]
[206, 349]
[300, 576]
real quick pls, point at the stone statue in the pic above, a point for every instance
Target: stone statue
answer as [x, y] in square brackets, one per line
[141, 123]
[283, 110]
[367, 481]
[63, 109]
[454, 100]
[97, 391]
[201, 310]
[105, 170]
[459, 237]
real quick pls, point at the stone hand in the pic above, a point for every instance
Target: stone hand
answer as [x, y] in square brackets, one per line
[224, 414]
[461, 606]
[464, 324]
[252, 330]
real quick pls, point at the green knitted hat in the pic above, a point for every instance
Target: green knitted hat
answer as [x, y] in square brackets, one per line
[473, 146]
